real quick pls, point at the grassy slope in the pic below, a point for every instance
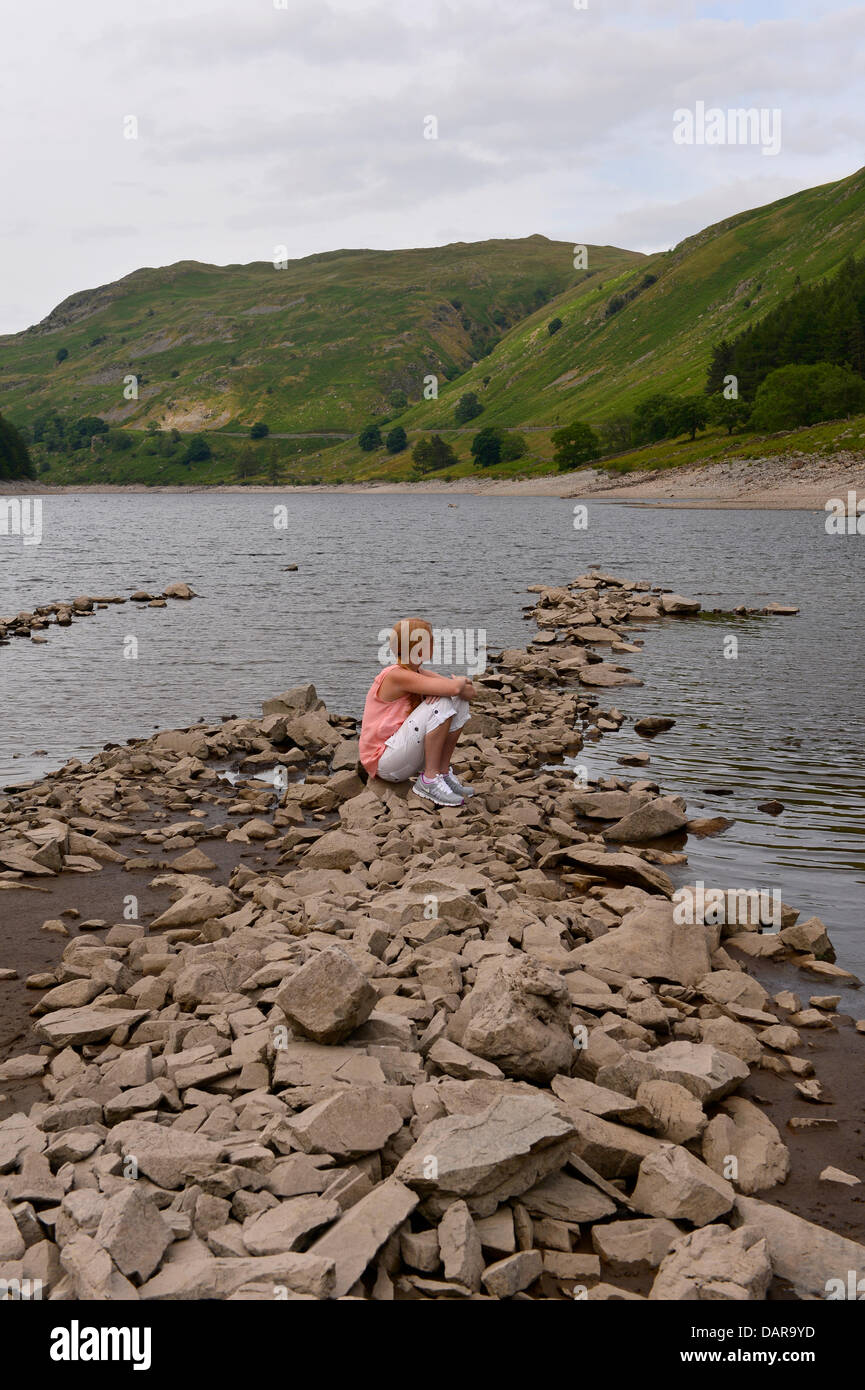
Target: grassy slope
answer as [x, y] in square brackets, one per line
[374, 321]
[317, 346]
[595, 368]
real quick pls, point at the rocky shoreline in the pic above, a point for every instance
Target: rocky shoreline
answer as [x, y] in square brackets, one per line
[793, 481]
[328, 1041]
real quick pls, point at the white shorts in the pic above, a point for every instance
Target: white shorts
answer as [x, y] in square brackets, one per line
[403, 755]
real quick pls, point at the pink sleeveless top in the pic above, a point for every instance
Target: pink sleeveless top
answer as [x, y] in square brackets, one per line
[381, 718]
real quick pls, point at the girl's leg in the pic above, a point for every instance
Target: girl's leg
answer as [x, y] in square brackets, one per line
[450, 744]
[433, 747]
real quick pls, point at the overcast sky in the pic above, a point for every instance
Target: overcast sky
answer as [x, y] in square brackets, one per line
[303, 126]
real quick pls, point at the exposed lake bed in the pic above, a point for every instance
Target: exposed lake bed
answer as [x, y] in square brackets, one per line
[781, 722]
[162, 805]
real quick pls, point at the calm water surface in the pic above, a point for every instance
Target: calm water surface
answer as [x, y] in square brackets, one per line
[785, 720]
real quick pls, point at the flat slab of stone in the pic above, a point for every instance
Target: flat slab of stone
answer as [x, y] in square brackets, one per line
[613, 1150]
[706, 1071]
[162, 1153]
[662, 816]
[220, 1277]
[634, 1247]
[134, 1233]
[576, 1093]
[491, 1155]
[358, 1120]
[815, 1261]
[650, 945]
[196, 906]
[619, 867]
[564, 1198]
[358, 1236]
[85, 1025]
[282, 1228]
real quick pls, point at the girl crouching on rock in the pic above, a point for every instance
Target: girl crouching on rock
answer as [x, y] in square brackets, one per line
[412, 719]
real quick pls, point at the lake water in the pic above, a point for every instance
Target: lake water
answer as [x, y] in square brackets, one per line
[784, 720]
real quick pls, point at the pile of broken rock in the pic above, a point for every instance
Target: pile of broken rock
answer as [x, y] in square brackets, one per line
[418, 1053]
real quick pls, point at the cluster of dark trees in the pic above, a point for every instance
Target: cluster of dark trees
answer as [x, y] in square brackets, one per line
[57, 434]
[659, 416]
[490, 446]
[804, 362]
[824, 322]
[371, 438]
[15, 461]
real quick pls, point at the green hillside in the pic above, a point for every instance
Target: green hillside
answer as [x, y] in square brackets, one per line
[332, 342]
[317, 346]
[709, 287]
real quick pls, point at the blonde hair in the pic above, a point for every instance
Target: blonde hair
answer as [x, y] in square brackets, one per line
[411, 642]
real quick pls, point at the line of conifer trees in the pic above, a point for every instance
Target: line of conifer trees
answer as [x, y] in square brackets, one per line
[15, 461]
[823, 322]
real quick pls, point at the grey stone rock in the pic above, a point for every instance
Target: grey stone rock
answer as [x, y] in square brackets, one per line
[489, 1156]
[675, 1184]
[328, 998]
[134, 1233]
[715, 1264]
[519, 1018]
[354, 1241]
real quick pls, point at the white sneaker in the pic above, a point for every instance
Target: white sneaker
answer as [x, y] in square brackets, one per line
[437, 790]
[455, 784]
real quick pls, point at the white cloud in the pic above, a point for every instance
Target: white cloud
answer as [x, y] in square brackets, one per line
[305, 125]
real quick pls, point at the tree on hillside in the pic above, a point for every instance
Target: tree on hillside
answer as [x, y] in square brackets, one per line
[486, 447]
[429, 455]
[720, 367]
[689, 414]
[49, 430]
[514, 445]
[197, 450]
[15, 461]
[653, 418]
[397, 440]
[80, 434]
[804, 395]
[247, 464]
[553, 326]
[468, 408]
[273, 468]
[730, 415]
[259, 430]
[370, 438]
[616, 433]
[61, 355]
[574, 445]
[119, 441]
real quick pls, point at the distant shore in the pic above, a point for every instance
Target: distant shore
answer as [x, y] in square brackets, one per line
[795, 482]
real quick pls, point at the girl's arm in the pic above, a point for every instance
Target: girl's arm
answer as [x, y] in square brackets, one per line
[406, 682]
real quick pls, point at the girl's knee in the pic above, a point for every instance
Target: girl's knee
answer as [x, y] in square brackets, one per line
[446, 705]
